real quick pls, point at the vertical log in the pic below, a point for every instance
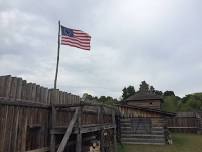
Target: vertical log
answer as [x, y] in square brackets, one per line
[37, 93]
[114, 130]
[29, 91]
[101, 120]
[41, 100]
[2, 86]
[8, 86]
[79, 134]
[66, 98]
[19, 88]
[54, 96]
[49, 96]
[46, 95]
[102, 141]
[24, 84]
[60, 97]
[33, 93]
[53, 125]
[13, 88]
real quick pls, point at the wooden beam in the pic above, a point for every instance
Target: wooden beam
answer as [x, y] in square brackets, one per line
[68, 132]
[44, 149]
[22, 103]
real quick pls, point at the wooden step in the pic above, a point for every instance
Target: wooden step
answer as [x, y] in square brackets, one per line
[143, 140]
[148, 136]
[142, 143]
[142, 131]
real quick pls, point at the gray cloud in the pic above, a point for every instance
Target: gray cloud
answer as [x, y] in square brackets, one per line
[157, 41]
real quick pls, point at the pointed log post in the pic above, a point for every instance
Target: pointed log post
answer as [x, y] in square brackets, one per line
[54, 100]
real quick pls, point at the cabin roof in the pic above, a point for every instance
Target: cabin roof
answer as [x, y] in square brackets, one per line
[144, 96]
[165, 113]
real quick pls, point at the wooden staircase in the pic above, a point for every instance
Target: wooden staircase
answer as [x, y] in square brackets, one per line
[133, 132]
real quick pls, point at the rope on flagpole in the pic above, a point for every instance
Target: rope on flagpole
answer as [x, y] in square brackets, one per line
[58, 56]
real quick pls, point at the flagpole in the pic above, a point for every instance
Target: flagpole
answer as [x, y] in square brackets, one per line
[58, 56]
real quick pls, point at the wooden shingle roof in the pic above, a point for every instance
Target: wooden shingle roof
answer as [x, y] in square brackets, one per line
[144, 96]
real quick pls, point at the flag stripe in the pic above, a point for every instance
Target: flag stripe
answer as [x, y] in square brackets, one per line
[76, 38]
[70, 41]
[75, 45]
[76, 41]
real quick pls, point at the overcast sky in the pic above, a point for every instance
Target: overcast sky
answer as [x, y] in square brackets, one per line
[159, 41]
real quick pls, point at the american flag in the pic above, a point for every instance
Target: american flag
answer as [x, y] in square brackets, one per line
[75, 38]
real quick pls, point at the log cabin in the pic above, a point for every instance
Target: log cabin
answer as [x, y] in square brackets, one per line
[141, 119]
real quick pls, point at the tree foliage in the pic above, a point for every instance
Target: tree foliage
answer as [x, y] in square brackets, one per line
[127, 92]
[169, 93]
[102, 99]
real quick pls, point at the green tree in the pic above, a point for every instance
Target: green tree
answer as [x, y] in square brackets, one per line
[169, 93]
[144, 87]
[127, 92]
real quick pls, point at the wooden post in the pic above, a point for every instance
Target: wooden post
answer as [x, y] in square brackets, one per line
[101, 121]
[53, 121]
[54, 100]
[79, 134]
[102, 141]
[114, 130]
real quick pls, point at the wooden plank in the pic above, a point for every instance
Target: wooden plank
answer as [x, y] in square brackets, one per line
[23, 103]
[2, 86]
[68, 132]
[44, 149]
[37, 93]
[19, 88]
[29, 91]
[4, 120]
[41, 100]
[60, 101]
[33, 98]
[45, 95]
[24, 84]
[8, 86]
[13, 88]
[54, 96]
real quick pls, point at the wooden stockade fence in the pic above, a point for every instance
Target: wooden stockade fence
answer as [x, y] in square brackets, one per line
[18, 89]
[34, 118]
[187, 122]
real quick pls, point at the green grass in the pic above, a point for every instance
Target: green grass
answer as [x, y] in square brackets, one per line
[181, 143]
